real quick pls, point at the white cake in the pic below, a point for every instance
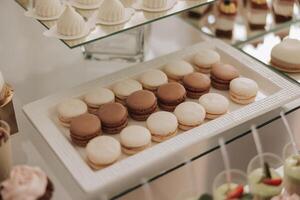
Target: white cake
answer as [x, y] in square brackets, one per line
[48, 8]
[111, 11]
[70, 23]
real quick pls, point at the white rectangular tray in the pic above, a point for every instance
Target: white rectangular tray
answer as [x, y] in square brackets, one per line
[274, 92]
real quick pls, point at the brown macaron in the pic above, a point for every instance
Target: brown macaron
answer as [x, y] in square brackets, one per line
[196, 84]
[141, 104]
[84, 128]
[170, 95]
[221, 75]
[113, 116]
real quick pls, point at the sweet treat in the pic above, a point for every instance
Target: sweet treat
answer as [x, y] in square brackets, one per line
[113, 116]
[26, 183]
[196, 84]
[125, 88]
[48, 8]
[5, 151]
[97, 97]
[141, 104]
[70, 23]
[177, 69]
[222, 74]
[135, 139]
[292, 174]
[286, 197]
[200, 11]
[204, 60]
[88, 2]
[189, 115]
[259, 4]
[265, 185]
[69, 109]
[152, 79]
[284, 56]
[225, 19]
[283, 10]
[3, 89]
[170, 95]
[214, 104]
[243, 90]
[84, 128]
[111, 11]
[229, 191]
[162, 125]
[257, 18]
[102, 151]
[155, 4]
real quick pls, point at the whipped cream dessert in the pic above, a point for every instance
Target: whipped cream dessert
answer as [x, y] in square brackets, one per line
[48, 8]
[24, 183]
[70, 23]
[263, 188]
[111, 11]
[292, 174]
[155, 4]
[228, 191]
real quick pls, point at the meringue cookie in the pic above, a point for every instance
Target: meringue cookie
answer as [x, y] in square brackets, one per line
[111, 11]
[88, 2]
[48, 8]
[155, 4]
[70, 23]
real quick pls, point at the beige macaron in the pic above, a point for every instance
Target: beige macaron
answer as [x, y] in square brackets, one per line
[214, 104]
[243, 90]
[205, 59]
[135, 139]
[177, 69]
[125, 88]
[152, 79]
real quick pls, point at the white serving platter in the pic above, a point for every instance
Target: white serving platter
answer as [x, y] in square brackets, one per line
[274, 92]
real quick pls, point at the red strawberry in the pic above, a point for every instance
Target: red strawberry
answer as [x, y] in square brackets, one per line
[272, 182]
[236, 193]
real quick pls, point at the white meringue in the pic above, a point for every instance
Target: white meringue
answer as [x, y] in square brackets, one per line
[155, 4]
[48, 8]
[88, 2]
[111, 11]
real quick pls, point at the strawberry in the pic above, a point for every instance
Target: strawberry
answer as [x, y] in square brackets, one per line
[236, 193]
[272, 182]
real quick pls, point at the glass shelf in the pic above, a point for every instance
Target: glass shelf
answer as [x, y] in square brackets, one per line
[241, 29]
[260, 47]
[138, 19]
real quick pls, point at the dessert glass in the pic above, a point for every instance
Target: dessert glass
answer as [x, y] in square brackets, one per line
[256, 177]
[5, 151]
[221, 188]
[291, 178]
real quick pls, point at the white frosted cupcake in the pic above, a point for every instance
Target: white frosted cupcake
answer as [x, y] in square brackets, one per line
[48, 8]
[70, 23]
[111, 11]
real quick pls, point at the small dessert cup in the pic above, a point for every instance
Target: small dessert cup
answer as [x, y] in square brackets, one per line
[291, 178]
[222, 190]
[264, 181]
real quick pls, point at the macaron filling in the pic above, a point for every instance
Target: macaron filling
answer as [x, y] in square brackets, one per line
[241, 99]
[143, 114]
[170, 105]
[160, 138]
[134, 150]
[114, 128]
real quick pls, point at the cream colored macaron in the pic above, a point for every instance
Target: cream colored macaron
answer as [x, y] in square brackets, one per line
[189, 115]
[214, 104]
[97, 97]
[152, 79]
[205, 58]
[162, 125]
[135, 139]
[243, 90]
[69, 109]
[102, 151]
[177, 69]
[125, 88]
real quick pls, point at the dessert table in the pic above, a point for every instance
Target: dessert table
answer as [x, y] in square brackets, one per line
[37, 66]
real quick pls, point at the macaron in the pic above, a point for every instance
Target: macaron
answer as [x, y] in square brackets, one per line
[135, 139]
[221, 75]
[69, 109]
[113, 116]
[205, 59]
[243, 90]
[189, 115]
[177, 69]
[170, 95]
[152, 79]
[97, 97]
[162, 125]
[84, 128]
[125, 88]
[196, 84]
[102, 151]
[214, 104]
[141, 104]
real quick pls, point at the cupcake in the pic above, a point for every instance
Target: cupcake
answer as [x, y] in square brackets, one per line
[227, 10]
[26, 183]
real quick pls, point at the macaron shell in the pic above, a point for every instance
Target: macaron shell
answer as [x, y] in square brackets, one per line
[161, 138]
[85, 125]
[244, 87]
[135, 136]
[224, 72]
[171, 93]
[214, 103]
[240, 100]
[190, 114]
[196, 84]
[103, 150]
[99, 96]
[141, 100]
[176, 69]
[205, 58]
[153, 78]
[124, 88]
[71, 108]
